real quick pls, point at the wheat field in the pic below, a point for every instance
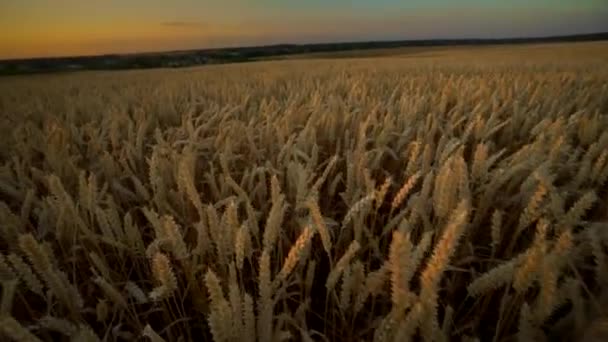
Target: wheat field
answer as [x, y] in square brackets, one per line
[454, 196]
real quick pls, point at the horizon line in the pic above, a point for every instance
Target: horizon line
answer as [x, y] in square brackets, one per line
[228, 47]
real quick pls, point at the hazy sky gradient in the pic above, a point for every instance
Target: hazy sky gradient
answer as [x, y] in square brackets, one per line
[34, 28]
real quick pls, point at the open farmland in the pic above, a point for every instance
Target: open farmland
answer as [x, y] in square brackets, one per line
[456, 196]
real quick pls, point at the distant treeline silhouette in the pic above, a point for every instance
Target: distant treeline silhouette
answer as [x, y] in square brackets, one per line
[187, 58]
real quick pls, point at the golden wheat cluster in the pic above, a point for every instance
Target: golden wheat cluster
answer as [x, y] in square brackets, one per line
[388, 199]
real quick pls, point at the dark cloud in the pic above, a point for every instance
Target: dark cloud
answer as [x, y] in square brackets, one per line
[181, 23]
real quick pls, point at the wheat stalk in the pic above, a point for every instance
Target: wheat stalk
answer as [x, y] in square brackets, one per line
[341, 265]
[163, 274]
[26, 274]
[405, 189]
[296, 254]
[265, 303]
[319, 221]
[220, 316]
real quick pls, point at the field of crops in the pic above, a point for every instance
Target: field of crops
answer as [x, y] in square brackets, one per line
[460, 196]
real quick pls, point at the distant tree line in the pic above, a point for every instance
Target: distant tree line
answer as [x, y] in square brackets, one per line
[178, 59]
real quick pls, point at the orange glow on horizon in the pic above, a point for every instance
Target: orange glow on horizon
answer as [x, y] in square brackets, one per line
[42, 28]
[99, 38]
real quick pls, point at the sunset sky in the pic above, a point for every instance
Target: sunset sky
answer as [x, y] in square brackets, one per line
[35, 28]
